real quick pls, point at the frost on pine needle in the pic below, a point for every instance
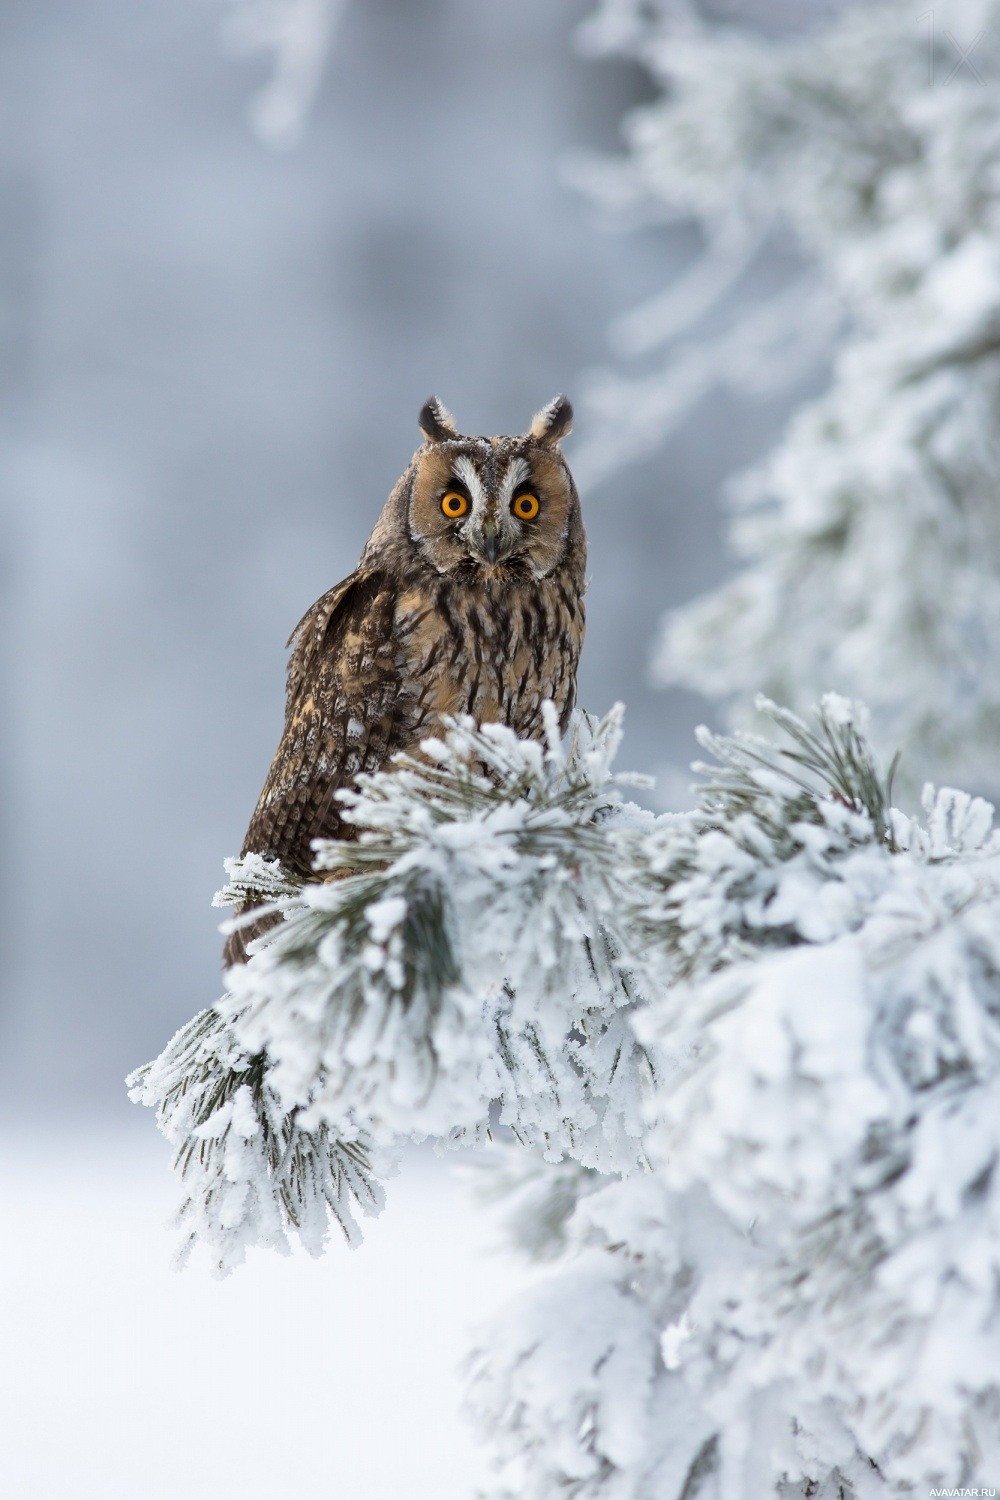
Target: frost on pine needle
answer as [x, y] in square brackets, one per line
[814, 1255]
[749, 1058]
[253, 1173]
[465, 950]
[782, 844]
[465, 947]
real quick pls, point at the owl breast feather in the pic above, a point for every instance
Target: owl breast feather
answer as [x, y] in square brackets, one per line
[496, 652]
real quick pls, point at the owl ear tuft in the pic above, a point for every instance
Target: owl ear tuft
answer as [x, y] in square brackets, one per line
[436, 422]
[553, 422]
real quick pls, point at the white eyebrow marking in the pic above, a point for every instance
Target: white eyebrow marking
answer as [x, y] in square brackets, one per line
[465, 469]
[516, 474]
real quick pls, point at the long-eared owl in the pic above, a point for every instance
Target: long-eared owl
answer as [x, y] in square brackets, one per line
[468, 599]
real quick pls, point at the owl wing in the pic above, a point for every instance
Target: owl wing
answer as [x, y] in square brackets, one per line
[318, 627]
[345, 713]
[342, 706]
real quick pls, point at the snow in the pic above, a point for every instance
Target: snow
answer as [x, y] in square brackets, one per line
[812, 1257]
[389, 1005]
[291, 1380]
[836, 160]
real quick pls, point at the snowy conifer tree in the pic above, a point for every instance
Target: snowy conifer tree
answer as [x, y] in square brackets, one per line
[800, 1297]
[749, 1058]
[870, 538]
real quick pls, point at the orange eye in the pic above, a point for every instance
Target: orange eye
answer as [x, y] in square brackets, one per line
[526, 507]
[454, 505]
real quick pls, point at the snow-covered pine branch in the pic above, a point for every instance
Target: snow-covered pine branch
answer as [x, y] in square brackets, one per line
[469, 948]
[753, 1052]
[253, 1170]
[872, 141]
[800, 1298]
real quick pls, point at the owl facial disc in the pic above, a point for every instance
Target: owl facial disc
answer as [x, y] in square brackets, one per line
[500, 506]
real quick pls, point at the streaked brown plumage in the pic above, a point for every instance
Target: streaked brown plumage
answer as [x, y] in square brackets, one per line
[479, 613]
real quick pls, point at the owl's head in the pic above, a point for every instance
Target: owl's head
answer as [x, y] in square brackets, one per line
[507, 505]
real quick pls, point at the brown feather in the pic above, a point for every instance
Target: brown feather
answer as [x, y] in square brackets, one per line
[422, 629]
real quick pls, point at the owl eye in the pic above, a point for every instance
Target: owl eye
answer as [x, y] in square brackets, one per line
[454, 505]
[526, 507]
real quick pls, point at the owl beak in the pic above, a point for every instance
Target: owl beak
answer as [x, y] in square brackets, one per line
[489, 542]
[491, 545]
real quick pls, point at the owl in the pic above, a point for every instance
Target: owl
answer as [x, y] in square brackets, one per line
[468, 599]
